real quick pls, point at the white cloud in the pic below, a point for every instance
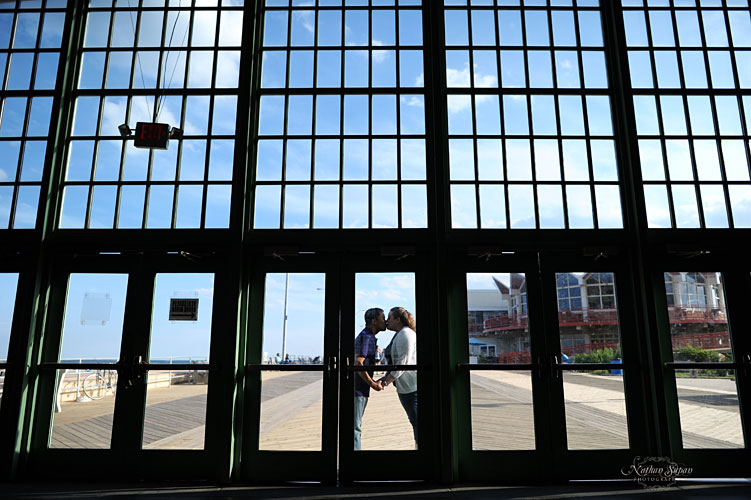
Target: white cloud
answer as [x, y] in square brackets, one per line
[380, 56]
[413, 101]
[458, 77]
[458, 103]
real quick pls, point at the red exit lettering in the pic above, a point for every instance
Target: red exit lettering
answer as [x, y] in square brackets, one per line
[151, 135]
[153, 131]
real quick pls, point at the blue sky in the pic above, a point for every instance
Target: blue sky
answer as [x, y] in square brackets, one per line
[95, 311]
[8, 286]
[305, 324]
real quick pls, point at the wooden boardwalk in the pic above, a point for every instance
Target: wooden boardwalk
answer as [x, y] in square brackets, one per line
[502, 415]
[174, 419]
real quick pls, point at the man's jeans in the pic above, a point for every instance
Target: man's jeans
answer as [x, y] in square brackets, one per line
[409, 403]
[360, 403]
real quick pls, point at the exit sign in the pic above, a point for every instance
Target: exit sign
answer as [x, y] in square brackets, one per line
[152, 135]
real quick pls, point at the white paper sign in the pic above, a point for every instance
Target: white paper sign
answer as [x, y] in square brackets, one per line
[183, 309]
[96, 308]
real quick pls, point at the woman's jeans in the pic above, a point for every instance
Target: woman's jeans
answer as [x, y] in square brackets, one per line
[409, 403]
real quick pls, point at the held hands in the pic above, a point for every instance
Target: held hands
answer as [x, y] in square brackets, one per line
[377, 385]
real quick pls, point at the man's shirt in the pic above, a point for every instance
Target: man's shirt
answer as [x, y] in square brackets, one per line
[365, 346]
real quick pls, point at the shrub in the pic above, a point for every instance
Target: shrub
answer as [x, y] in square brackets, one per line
[605, 355]
[696, 354]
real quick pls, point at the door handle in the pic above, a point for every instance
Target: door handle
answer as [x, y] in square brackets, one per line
[331, 366]
[554, 366]
[346, 368]
[539, 367]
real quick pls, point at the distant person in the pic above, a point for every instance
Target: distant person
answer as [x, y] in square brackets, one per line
[404, 352]
[277, 359]
[366, 346]
[378, 356]
[287, 361]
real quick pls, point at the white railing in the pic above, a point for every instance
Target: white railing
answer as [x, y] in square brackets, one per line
[70, 384]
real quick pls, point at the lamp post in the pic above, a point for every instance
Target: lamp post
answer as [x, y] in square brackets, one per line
[284, 329]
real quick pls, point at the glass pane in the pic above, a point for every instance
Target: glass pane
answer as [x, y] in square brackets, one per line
[498, 331]
[595, 403]
[175, 415]
[502, 400]
[8, 285]
[588, 317]
[699, 332]
[385, 334]
[698, 319]
[708, 408]
[291, 402]
[595, 406]
[497, 318]
[92, 332]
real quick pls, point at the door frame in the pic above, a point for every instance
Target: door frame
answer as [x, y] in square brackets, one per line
[606, 463]
[20, 347]
[338, 389]
[736, 276]
[547, 384]
[125, 458]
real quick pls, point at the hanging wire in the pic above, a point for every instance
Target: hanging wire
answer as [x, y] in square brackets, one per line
[160, 100]
[138, 58]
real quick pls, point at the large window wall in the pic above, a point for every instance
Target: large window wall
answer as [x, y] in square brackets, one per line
[361, 114]
[30, 40]
[529, 116]
[341, 134]
[176, 63]
[690, 64]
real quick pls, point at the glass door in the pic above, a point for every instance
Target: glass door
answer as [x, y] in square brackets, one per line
[543, 361]
[127, 374]
[502, 378]
[387, 386]
[597, 389]
[8, 288]
[329, 401]
[291, 380]
[702, 302]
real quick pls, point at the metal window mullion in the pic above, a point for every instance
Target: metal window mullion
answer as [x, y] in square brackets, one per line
[528, 101]
[314, 97]
[556, 93]
[210, 126]
[183, 93]
[473, 110]
[370, 119]
[283, 186]
[710, 88]
[660, 125]
[6, 69]
[189, 51]
[687, 118]
[93, 159]
[341, 119]
[504, 165]
[585, 117]
[736, 80]
[398, 97]
[564, 180]
[22, 140]
[160, 71]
